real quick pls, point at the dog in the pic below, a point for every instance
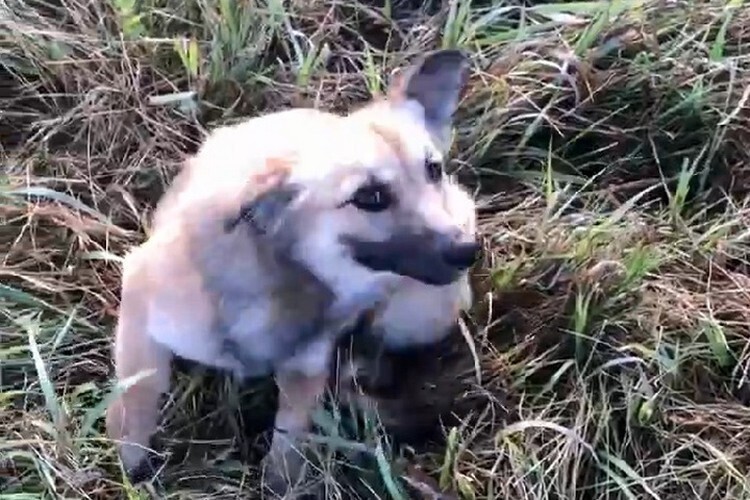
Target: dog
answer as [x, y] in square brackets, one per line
[276, 236]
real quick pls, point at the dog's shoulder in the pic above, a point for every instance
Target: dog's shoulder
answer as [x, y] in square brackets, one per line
[189, 238]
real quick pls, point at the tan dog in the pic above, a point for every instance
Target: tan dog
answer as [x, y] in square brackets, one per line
[275, 238]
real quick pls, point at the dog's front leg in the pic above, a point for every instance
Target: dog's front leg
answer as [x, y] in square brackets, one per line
[298, 397]
[133, 416]
[301, 382]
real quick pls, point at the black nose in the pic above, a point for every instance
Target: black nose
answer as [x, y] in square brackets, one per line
[461, 255]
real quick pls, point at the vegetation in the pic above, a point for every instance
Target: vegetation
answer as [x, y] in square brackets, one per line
[608, 146]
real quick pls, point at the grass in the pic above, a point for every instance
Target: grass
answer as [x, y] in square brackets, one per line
[607, 144]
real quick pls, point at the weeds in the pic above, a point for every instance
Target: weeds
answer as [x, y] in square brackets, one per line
[607, 144]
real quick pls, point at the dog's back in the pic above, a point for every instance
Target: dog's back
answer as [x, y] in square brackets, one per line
[233, 158]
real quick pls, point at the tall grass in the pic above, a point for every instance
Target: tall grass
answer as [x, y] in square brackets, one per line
[606, 142]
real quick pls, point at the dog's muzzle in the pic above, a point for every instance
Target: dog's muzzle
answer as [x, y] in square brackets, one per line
[460, 255]
[434, 259]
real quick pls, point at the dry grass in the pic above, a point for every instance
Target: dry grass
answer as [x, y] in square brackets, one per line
[608, 146]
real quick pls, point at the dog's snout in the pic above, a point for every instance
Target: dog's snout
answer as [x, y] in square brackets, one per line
[461, 255]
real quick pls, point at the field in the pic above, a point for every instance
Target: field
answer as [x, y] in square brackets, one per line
[608, 144]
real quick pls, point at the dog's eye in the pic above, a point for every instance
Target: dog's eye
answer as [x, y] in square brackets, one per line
[372, 198]
[434, 170]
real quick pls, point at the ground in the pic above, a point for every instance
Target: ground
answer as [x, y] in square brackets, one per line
[606, 142]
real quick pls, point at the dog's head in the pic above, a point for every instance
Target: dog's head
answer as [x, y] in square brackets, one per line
[364, 198]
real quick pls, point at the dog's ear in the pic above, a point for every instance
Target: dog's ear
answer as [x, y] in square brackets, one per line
[435, 82]
[266, 211]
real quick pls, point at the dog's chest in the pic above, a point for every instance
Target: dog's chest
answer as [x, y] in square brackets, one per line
[262, 330]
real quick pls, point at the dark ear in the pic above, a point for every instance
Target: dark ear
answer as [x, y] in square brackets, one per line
[265, 213]
[435, 81]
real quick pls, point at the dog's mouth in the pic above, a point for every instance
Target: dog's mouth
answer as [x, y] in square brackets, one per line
[433, 260]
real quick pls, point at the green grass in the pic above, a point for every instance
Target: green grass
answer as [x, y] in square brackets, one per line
[608, 146]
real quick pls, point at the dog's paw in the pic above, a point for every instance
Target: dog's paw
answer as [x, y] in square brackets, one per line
[144, 470]
[274, 485]
[282, 473]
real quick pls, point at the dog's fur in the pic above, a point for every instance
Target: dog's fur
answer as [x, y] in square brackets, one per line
[258, 259]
